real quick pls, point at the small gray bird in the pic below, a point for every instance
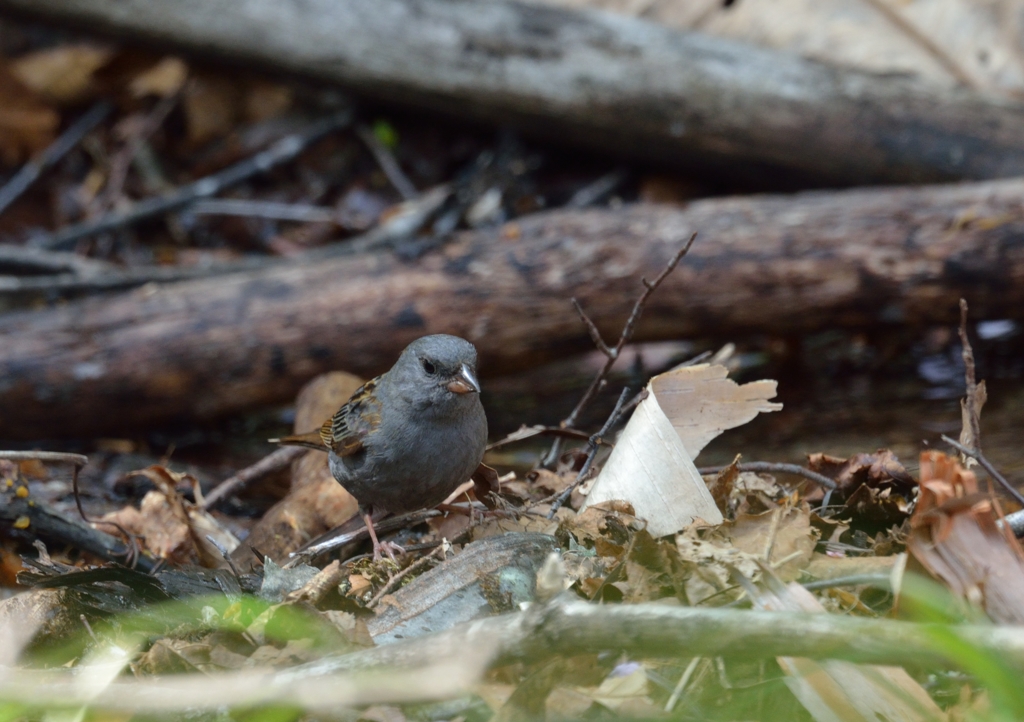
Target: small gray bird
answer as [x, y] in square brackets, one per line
[408, 438]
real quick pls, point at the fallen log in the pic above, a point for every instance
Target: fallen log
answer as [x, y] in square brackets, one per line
[784, 264]
[611, 81]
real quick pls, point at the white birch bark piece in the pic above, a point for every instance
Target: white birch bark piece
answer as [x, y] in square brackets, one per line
[652, 470]
[702, 402]
[651, 466]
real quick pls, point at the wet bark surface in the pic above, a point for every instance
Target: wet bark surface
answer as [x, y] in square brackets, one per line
[621, 84]
[213, 347]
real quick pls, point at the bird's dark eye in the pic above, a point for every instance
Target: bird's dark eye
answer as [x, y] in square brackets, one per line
[429, 367]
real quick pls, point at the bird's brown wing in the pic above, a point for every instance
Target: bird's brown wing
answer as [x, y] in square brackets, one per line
[344, 432]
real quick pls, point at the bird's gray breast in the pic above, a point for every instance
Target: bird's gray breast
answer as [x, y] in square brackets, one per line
[414, 464]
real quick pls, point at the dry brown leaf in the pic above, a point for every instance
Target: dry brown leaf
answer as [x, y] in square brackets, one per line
[27, 123]
[264, 101]
[782, 536]
[212, 107]
[879, 470]
[295, 651]
[351, 627]
[173, 656]
[722, 486]
[956, 538]
[709, 564]
[170, 527]
[358, 585]
[524, 524]
[641, 584]
[494, 694]
[64, 74]
[162, 80]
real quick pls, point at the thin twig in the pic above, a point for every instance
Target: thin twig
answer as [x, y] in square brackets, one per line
[284, 150]
[771, 467]
[79, 460]
[529, 432]
[881, 581]
[411, 569]
[598, 189]
[271, 210]
[133, 551]
[593, 444]
[987, 466]
[386, 160]
[131, 554]
[269, 464]
[318, 547]
[122, 160]
[67, 140]
[36, 260]
[225, 554]
[407, 220]
[612, 354]
[88, 628]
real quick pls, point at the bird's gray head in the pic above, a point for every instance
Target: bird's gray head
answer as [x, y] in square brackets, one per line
[438, 371]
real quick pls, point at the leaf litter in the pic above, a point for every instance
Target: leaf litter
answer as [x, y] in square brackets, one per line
[642, 527]
[749, 538]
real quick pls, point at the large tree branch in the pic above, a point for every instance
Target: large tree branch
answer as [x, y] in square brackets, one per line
[608, 80]
[448, 663]
[211, 347]
[652, 630]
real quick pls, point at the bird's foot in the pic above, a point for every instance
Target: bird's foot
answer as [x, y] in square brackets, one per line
[388, 548]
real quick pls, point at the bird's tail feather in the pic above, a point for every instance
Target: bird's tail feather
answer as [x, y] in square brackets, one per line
[309, 440]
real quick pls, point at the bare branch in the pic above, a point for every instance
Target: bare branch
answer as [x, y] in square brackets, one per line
[598, 189]
[612, 355]
[621, 407]
[387, 162]
[770, 467]
[529, 432]
[79, 460]
[595, 335]
[271, 210]
[987, 466]
[284, 150]
[122, 160]
[332, 540]
[269, 464]
[31, 171]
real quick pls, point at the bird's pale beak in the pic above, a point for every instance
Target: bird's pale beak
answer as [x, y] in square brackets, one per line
[464, 382]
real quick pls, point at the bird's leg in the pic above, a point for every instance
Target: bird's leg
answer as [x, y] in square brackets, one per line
[387, 547]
